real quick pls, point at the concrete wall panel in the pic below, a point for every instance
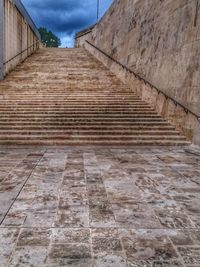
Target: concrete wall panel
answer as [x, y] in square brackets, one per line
[18, 36]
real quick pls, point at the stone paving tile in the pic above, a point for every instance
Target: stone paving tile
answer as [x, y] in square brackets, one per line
[141, 245]
[73, 254]
[8, 238]
[99, 207]
[28, 256]
[107, 248]
[191, 255]
[14, 181]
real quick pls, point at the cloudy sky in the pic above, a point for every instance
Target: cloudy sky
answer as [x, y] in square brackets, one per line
[65, 17]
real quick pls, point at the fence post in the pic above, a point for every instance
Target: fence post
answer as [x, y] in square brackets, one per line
[1, 38]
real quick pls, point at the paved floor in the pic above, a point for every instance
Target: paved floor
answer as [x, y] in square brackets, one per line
[100, 207]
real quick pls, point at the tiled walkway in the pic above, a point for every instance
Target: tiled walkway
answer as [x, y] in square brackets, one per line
[99, 207]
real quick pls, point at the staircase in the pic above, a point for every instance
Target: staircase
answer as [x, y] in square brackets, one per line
[66, 97]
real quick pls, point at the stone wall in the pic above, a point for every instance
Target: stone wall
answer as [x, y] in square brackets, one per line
[185, 122]
[20, 37]
[160, 41]
[82, 36]
[80, 40]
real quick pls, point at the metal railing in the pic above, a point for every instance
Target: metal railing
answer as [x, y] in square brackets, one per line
[23, 51]
[84, 32]
[177, 103]
[81, 35]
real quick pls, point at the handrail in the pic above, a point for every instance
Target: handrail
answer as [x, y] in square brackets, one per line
[81, 35]
[21, 52]
[146, 82]
[84, 32]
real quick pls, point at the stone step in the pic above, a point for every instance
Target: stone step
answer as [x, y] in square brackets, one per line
[66, 133]
[47, 109]
[74, 97]
[69, 95]
[71, 105]
[62, 113]
[74, 115]
[77, 120]
[96, 137]
[92, 101]
[82, 123]
[108, 142]
[68, 107]
[70, 89]
[68, 99]
[90, 127]
[76, 91]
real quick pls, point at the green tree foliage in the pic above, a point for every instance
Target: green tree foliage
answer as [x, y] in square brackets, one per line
[49, 38]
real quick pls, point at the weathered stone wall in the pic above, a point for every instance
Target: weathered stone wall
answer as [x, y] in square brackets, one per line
[20, 36]
[82, 36]
[158, 39]
[185, 121]
[80, 40]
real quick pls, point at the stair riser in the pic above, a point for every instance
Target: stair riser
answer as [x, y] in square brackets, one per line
[66, 92]
[70, 107]
[56, 123]
[76, 111]
[94, 138]
[79, 120]
[70, 99]
[82, 132]
[80, 128]
[77, 116]
[93, 143]
[70, 103]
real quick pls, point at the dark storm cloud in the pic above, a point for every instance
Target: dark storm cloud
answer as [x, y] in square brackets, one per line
[64, 17]
[66, 21]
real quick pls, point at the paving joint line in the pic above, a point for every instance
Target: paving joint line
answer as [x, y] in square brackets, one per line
[192, 152]
[25, 182]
